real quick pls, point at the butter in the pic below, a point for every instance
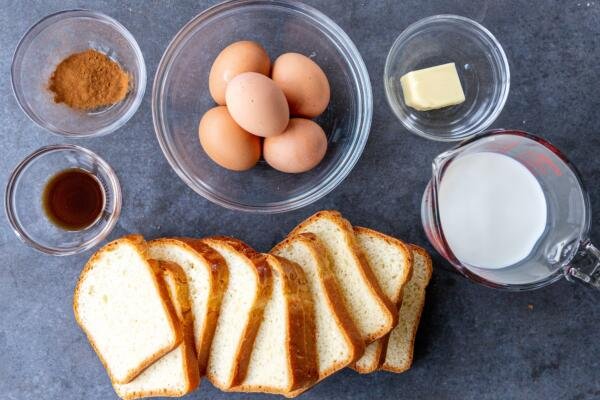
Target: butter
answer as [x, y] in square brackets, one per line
[432, 88]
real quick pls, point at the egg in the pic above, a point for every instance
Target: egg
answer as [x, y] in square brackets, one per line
[257, 104]
[304, 83]
[238, 57]
[300, 148]
[226, 143]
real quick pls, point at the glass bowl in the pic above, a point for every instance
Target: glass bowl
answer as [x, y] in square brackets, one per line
[50, 41]
[24, 206]
[481, 64]
[180, 97]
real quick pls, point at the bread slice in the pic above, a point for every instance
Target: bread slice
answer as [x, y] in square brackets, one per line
[400, 346]
[206, 274]
[391, 262]
[176, 373]
[284, 356]
[338, 342]
[246, 295]
[124, 309]
[373, 314]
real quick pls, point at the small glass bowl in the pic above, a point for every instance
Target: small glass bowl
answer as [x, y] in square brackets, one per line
[24, 194]
[481, 64]
[180, 97]
[53, 39]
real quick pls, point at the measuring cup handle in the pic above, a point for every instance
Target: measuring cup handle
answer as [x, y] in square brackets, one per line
[585, 266]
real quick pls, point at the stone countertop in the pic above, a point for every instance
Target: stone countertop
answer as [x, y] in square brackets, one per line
[473, 343]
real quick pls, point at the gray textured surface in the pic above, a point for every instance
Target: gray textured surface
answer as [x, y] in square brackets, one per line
[474, 343]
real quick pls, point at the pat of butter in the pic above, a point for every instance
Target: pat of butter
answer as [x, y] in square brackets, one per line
[432, 88]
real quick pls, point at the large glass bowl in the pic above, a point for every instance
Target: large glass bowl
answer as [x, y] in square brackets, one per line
[180, 97]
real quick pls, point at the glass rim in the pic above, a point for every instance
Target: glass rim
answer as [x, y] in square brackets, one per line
[9, 206]
[502, 65]
[26, 39]
[364, 111]
[436, 224]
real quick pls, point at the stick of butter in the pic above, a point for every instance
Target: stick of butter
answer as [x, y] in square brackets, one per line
[432, 88]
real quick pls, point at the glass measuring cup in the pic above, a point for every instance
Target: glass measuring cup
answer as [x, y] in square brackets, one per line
[564, 248]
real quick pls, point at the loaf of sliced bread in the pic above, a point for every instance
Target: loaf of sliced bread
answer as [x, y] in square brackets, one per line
[207, 275]
[338, 342]
[248, 290]
[373, 314]
[176, 373]
[391, 262]
[400, 345]
[124, 309]
[283, 357]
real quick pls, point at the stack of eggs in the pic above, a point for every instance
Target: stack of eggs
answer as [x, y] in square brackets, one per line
[255, 102]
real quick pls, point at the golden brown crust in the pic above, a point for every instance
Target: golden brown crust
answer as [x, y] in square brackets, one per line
[401, 247]
[355, 343]
[374, 365]
[428, 272]
[381, 343]
[300, 328]
[187, 320]
[263, 276]
[387, 307]
[301, 325]
[138, 242]
[170, 270]
[219, 276]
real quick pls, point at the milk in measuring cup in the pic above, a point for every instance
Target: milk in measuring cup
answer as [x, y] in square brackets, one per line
[492, 210]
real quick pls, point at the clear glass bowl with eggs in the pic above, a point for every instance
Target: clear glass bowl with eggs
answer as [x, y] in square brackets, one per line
[181, 97]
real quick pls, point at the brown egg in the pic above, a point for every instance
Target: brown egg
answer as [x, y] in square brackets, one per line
[300, 148]
[238, 57]
[225, 142]
[257, 104]
[304, 83]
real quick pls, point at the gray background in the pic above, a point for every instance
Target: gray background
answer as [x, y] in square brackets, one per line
[474, 342]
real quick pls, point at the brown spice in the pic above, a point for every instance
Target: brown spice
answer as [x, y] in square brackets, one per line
[88, 80]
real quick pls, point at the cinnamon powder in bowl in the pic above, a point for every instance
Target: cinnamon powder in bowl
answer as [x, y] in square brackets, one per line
[89, 80]
[78, 73]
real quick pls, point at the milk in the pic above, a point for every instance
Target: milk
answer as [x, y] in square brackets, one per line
[492, 210]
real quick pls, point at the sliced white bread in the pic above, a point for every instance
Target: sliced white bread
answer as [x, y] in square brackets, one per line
[248, 290]
[391, 262]
[373, 314]
[207, 275]
[284, 356]
[124, 309]
[400, 345]
[176, 373]
[338, 342]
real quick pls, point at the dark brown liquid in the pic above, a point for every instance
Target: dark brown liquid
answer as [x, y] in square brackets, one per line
[73, 199]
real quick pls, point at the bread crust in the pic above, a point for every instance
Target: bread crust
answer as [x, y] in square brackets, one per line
[264, 285]
[184, 313]
[300, 328]
[187, 320]
[375, 362]
[341, 315]
[381, 343]
[401, 247]
[140, 245]
[387, 307]
[219, 276]
[428, 272]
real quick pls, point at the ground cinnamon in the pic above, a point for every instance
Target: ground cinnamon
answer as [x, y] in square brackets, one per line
[88, 80]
